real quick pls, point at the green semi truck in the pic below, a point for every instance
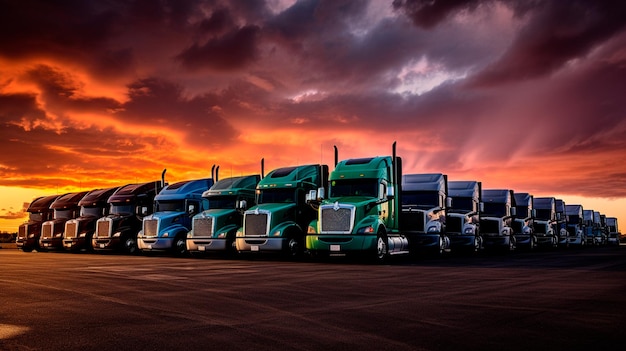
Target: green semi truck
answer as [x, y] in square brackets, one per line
[361, 213]
[214, 229]
[278, 221]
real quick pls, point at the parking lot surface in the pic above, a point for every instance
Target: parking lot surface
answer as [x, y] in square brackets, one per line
[548, 300]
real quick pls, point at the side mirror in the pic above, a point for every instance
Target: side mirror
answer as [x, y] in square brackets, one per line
[534, 213]
[513, 211]
[191, 209]
[391, 192]
[144, 211]
[448, 202]
[558, 216]
[242, 205]
[320, 193]
[311, 196]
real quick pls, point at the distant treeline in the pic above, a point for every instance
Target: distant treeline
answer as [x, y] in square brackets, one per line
[6, 237]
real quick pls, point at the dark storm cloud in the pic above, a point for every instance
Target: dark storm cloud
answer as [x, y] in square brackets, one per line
[155, 102]
[557, 32]
[61, 91]
[231, 51]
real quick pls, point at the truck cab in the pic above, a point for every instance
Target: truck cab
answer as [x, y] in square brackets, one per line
[174, 206]
[423, 216]
[28, 233]
[561, 223]
[215, 228]
[79, 231]
[360, 215]
[127, 207]
[463, 217]
[614, 234]
[278, 221]
[497, 218]
[65, 208]
[576, 234]
[588, 225]
[545, 222]
[523, 224]
[598, 229]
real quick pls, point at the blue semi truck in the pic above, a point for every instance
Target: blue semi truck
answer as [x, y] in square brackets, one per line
[463, 216]
[174, 206]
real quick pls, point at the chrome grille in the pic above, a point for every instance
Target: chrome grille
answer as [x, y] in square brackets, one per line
[103, 229]
[46, 230]
[203, 226]
[454, 224]
[150, 227]
[489, 227]
[255, 224]
[71, 229]
[336, 220]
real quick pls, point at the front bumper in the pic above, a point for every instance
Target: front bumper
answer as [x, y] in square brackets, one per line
[154, 244]
[207, 244]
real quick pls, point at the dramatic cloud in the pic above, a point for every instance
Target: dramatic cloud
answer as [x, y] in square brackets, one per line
[520, 94]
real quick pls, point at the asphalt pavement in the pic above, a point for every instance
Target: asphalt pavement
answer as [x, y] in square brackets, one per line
[570, 299]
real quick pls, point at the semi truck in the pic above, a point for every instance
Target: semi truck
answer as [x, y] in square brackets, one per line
[598, 229]
[423, 216]
[545, 222]
[214, 229]
[614, 234]
[589, 227]
[361, 214]
[497, 218]
[463, 216]
[28, 233]
[79, 231]
[561, 223]
[278, 222]
[65, 208]
[174, 206]
[575, 230]
[127, 207]
[523, 224]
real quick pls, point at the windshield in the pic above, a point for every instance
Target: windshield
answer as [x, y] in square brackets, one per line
[354, 187]
[176, 206]
[494, 210]
[272, 196]
[543, 214]
[463, 203]
[421, 198]
[120, 209]
[91, 211]
[37, 217]
[62, 214]
[225, 202]
[573, 219]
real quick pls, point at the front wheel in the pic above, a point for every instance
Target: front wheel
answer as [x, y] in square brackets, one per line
[130, 245]
[382, 249]
[180, 246]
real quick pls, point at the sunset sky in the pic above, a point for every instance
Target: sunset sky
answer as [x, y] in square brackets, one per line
[528, 94]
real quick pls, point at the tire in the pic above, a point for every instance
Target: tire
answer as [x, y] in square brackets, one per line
[511, 243]
[382, 248]
[130, 245]
[294, 248]
[27, 249]
[179, 247]
[476, 244]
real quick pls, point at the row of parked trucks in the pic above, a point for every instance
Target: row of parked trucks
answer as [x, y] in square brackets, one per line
[365, 206]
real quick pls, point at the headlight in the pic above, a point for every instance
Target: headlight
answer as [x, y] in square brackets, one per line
[365, 230]
[526, 230]
[311, 230]
[221, 235]
[166, 234]
[505, 232]
[276, 233]
[190, 234]
[469, 230]
[117, 234]
[58, 235]
[433, 229]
